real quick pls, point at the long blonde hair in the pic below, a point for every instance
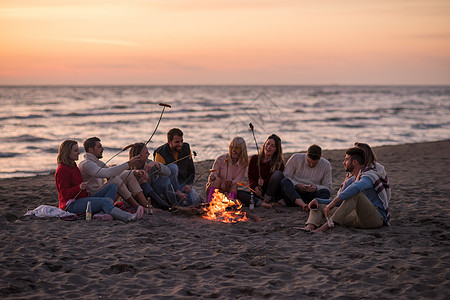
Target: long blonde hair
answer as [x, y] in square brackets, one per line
[239, 142]
[277, 158]
[64, 153]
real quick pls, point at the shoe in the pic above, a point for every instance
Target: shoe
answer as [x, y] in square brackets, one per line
[139, 213]
[102, 217]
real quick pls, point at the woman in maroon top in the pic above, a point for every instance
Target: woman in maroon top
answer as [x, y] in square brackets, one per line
[265, 172]
[72, 192]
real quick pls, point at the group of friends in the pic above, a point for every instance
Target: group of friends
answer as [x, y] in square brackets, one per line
[304, 181]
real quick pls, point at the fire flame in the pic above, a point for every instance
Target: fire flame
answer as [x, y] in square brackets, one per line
[224, 210]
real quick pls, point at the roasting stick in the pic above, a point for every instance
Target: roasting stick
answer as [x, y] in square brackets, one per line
[164, 105]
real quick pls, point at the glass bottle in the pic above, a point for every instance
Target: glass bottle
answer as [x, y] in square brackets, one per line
[88, 211]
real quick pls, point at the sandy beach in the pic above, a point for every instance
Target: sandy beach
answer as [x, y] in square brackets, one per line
[182, 256]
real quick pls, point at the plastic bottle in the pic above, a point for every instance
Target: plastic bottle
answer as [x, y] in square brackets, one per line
[88, 211]
[330, 222]
[252, 201]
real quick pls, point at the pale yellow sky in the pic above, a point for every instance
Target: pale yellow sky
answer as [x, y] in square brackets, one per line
[225, 42]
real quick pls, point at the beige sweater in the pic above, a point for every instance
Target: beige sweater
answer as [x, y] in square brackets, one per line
[298, 171]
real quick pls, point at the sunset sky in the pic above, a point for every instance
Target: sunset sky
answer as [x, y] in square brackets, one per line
[224, 42]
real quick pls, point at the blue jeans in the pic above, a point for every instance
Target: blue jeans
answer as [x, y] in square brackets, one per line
[102, 200]
[291, 193]
[192, 198]
[273, 192]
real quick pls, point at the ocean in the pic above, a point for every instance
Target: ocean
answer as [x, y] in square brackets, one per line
[34, 120]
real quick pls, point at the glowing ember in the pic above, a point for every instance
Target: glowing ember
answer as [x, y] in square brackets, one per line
[224, 210]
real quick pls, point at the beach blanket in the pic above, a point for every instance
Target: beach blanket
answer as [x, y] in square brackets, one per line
[48, 211]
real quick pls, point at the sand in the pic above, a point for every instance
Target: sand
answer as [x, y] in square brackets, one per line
[184, 256]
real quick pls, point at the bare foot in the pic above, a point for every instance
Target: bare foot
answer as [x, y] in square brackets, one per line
[310, 227]
[322, 228]
[299, 202]
[266, 205]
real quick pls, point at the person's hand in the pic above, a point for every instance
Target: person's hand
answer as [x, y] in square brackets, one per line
[301, 187]
[186, 189]
[83, 185]
[142, 174]
[259, 191]
[180, 196]
[327, 209]
[310, 188]
[135, 161]
[314, 204]
[228, 184]
[260, 181]
[212, 177]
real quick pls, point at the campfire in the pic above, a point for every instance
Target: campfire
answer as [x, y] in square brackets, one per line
[224, 210]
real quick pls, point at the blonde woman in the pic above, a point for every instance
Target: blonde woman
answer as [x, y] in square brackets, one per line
[228, 169]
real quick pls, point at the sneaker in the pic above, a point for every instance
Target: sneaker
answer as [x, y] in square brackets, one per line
[102, 217]
[139, 213]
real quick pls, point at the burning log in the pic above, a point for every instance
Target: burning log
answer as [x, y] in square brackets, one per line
[220, 209]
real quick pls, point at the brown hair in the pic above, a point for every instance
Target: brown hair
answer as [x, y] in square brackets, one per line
[370, 155]
[90, 143]
[314, 152]
[357, 154]
[64, 153]
[277, 158]
[173, 132]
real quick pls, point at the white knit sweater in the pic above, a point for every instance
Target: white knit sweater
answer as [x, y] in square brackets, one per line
[92, 166]
[298, 171]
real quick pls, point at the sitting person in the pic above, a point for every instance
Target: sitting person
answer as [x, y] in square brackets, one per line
[176, 154]
[72, 193]
[95, 172]
[228, 169]
[265, 172]
[370, 162]
[362, 203]
[155, 182]
[307, 176]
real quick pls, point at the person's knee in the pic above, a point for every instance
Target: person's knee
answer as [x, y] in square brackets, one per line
[323, 193]
[173, 169]
[278, 175]
[285, 182]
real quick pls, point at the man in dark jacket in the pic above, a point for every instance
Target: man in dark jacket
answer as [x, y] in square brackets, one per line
[177, 156]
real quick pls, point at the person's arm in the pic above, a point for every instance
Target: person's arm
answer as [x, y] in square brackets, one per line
[356, 187]
[326, 181]
[216, 167]
[92, 169]
[64, 185]
[290, 167]
[164, 171]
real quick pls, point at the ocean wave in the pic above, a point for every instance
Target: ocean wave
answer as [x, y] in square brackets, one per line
[25, 138]
[426, 126]
[98, 114]
[8, 154]
[32, 116]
